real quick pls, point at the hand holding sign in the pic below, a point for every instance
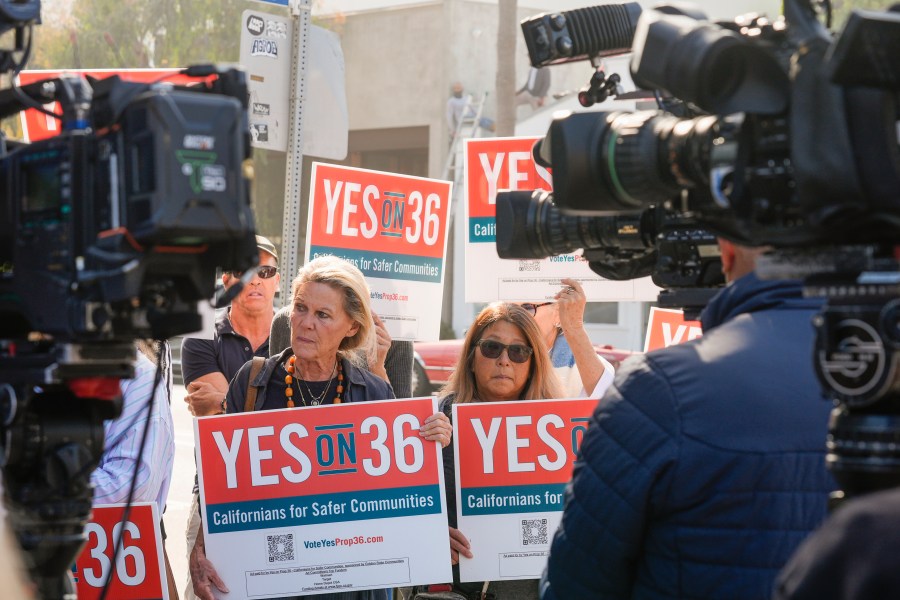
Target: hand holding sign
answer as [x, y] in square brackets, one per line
[437, 428]
[376, 355]
[203, 574]
[571, 301]
[459, 544]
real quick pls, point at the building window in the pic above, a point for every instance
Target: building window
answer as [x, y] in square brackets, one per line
[601, 313]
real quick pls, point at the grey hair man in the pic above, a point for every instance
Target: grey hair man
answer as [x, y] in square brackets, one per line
[703, 467]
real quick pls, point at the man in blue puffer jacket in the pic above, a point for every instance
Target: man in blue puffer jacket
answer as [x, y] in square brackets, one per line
[704, 465]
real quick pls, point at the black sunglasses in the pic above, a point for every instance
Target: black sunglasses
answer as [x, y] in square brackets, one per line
[264, 272]
[517, 353]
[532, 308]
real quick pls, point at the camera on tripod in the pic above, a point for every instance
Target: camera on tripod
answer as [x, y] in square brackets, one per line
[785, 136]
[110, 232]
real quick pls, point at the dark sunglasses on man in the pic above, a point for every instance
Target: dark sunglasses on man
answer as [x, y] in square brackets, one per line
[264, 272]
[518, 353]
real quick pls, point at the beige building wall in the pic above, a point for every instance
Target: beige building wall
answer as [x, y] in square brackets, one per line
[401, 63]
[402, 56]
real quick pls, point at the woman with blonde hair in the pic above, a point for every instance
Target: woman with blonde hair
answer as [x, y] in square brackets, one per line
[331, 318]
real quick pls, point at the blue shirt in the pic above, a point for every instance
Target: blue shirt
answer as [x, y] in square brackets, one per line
[121, 454]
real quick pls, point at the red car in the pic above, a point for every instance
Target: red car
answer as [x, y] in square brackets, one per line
[434, 361]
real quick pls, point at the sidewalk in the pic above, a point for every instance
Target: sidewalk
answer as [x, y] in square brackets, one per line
[179, 501]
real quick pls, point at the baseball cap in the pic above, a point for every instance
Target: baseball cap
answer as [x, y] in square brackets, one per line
[266, 245]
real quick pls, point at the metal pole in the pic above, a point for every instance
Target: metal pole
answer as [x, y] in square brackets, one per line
[290, 239]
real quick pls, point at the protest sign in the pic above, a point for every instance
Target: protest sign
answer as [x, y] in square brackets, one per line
[667, 327]
[330, 498]
[139, 570]
[497, 164]
[394, 229]
[513, 460]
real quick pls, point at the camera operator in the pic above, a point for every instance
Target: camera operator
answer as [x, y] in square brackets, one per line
[704, 466]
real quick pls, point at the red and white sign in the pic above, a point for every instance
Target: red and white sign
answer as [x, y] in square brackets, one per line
[38, 126]
[501, 164]
[323, 499]
[668, 327]
[139, 571]
[513, 460]
[394, 229]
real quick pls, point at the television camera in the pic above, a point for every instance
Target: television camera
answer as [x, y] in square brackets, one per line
[110, 232]
[658, 238]
[787, 137]
[681, 258]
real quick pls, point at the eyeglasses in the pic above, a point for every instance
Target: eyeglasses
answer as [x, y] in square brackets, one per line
[532, 308]
[264, 272]
[517, 353]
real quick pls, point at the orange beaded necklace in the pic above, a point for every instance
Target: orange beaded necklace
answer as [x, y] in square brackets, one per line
[289, 380]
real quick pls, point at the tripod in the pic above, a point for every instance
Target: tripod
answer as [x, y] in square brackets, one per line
[53, 402]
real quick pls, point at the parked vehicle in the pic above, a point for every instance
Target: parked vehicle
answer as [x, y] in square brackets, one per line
[434, 361]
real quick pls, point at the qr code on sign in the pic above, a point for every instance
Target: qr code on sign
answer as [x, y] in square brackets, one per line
[281, 547]
[534, 532]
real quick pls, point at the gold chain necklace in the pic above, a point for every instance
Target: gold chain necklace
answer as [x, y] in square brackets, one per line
[313, 400]
[289, 380]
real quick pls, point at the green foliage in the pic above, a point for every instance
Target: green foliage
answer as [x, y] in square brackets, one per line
[842, 9]
[134, 34]
[111, 34]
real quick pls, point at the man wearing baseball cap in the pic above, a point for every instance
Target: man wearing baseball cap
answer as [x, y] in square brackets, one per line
[242, 332]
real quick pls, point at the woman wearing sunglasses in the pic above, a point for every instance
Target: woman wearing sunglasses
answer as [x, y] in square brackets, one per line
[504, 357]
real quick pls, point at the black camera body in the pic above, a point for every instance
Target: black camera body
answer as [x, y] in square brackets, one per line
[114, 229]
[785, 137]
[680, 257]
[791, 140]
[110, 232]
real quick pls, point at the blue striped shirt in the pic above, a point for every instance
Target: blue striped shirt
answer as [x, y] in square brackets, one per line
[112, 478]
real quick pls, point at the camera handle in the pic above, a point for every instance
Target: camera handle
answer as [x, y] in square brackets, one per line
[72, 92]
[599, 88]
[857, 359]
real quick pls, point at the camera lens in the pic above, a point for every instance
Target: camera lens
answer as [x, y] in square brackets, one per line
[627, 161]
[530, 225]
